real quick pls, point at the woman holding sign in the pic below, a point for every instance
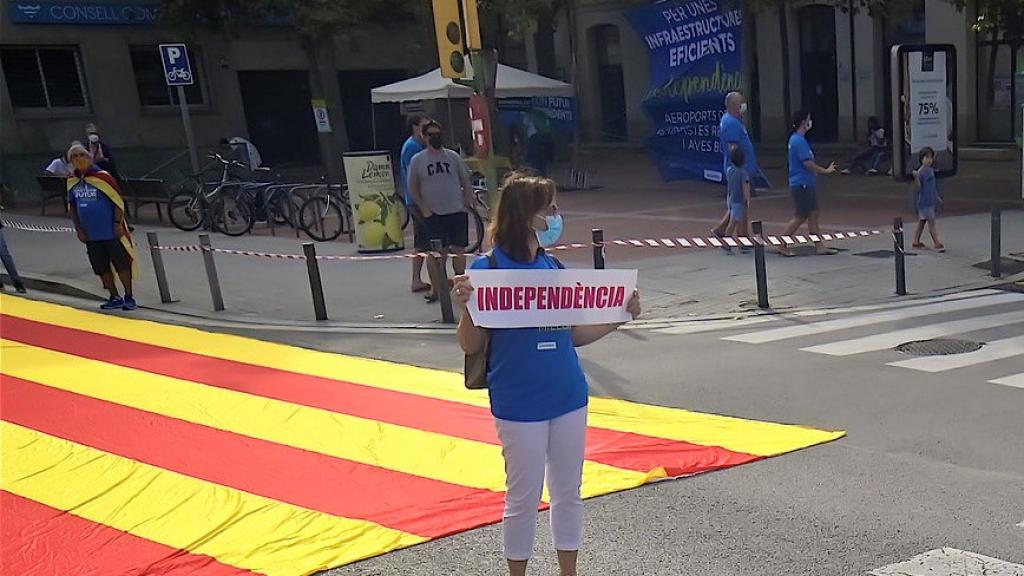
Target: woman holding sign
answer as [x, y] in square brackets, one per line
[538, 392]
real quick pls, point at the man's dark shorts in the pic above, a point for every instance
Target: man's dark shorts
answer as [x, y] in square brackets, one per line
[106, 253]
[420, 240]
[805, 200]
[451, 229]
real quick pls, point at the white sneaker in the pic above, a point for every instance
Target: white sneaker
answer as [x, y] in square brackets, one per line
[872, 172]
[845, 171]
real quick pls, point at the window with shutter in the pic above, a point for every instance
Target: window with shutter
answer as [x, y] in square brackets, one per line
[44, 76]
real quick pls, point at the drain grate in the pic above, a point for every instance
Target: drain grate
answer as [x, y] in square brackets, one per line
[939, 347]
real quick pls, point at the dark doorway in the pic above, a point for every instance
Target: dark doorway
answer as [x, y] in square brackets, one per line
[819, 91]
[360, 114]
[605, 46]
[279, 115]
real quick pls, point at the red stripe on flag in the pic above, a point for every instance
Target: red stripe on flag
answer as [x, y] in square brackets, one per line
[625, 450]
[414, 504]
[38, 540]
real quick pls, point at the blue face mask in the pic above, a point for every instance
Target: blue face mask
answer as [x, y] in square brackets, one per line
[548, 237]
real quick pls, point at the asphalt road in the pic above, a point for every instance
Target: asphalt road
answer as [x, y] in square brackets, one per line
[931, 460]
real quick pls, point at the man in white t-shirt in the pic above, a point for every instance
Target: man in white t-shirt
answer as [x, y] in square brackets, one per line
[248, 149]
[59, 166]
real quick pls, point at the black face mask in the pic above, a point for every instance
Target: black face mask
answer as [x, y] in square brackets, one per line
[434, 141]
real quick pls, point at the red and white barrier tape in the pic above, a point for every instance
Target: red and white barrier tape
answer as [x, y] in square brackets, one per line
[724, 242]
[706, 242]
[15, 225]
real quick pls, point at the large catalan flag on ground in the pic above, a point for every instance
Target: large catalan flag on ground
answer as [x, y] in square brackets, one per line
[130, 447]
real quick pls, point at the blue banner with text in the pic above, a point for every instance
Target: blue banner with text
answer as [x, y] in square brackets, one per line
[696, 59]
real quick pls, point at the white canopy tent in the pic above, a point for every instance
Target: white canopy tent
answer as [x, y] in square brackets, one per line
[509, 83]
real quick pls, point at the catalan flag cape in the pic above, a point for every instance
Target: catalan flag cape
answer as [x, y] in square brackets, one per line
[106, 183]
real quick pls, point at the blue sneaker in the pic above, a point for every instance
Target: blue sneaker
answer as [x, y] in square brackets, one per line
[129, 303]
[112, 303]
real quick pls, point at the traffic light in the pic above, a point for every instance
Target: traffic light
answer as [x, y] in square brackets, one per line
[456, 28]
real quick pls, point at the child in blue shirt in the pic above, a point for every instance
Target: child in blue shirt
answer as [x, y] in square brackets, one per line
[738, 198]
[927, 199]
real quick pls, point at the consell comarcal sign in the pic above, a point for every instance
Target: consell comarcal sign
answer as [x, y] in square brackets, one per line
[82, 13]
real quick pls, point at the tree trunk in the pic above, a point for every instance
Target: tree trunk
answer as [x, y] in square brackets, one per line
[787, 99]
[320, 53]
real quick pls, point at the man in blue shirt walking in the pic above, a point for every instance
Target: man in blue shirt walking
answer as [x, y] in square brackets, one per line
[413, 145]
[803, 183]
[732, 133]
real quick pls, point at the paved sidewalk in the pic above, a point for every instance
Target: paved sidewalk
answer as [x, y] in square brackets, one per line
[677, 283]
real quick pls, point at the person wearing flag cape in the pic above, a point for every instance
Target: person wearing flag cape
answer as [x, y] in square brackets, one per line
[98, 211]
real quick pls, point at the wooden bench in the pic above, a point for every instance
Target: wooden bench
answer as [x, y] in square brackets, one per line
[53, 188]
[138, 192]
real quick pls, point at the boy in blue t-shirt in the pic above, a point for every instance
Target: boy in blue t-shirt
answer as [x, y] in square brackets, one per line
[738, 193]
[927, 199]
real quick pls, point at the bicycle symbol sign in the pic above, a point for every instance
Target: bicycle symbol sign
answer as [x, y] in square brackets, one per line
[177, 69]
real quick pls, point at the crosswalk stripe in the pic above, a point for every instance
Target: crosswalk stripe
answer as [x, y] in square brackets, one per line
[885, 340]
[698, 326]
[996, 350]
[869, 319]
[677, 326]
[1016, 380]
[902, 304]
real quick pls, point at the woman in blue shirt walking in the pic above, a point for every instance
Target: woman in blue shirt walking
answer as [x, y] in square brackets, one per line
[803, 183]
[537, 389]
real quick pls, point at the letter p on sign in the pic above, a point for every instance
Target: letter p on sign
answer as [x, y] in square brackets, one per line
[177, 70]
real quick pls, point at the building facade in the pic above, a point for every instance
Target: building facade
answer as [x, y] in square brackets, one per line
[69, 63]
[66, 63]
[838, 69]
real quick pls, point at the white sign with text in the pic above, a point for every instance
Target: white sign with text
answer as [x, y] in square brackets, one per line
[544, 298]
[929, 110]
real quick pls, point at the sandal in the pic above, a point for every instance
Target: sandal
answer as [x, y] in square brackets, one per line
[918, 246]
[423, 288]
[940, 247]
[430, 298]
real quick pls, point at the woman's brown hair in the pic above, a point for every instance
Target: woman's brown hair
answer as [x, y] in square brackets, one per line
[523, 196]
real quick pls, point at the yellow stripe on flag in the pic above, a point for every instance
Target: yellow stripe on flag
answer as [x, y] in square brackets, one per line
[738, 435]
[235, 527]
[426, 454]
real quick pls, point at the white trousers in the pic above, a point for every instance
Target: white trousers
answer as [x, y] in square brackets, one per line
[527, 447]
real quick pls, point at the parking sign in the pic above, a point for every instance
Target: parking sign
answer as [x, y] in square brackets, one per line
[177, 70]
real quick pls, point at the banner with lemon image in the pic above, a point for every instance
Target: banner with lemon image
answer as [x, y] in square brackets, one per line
[371, 190]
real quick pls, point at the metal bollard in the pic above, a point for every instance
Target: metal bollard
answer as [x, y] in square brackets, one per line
[316, 286]
[597, 236]
[158, 267]
[997, 243]
[900, 256]
[759, 267]
[440, 276]
[211, 272]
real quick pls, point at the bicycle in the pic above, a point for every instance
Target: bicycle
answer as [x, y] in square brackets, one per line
[191, 209]
[327, 213]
